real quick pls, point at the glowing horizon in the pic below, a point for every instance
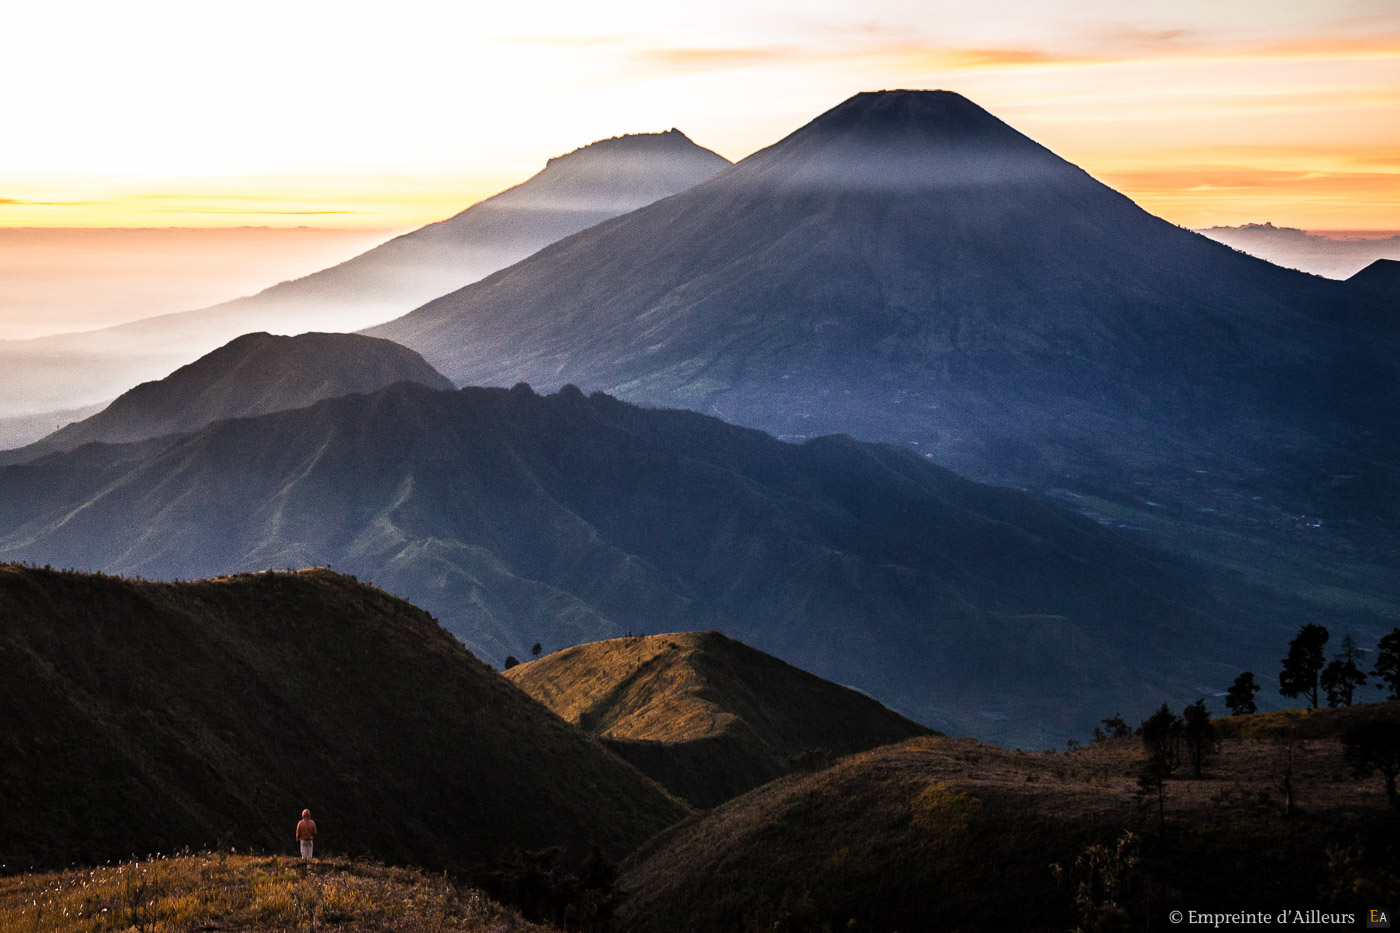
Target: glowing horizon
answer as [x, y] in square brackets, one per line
[163, 115]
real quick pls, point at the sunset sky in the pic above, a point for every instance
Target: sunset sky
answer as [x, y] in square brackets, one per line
[351, 114]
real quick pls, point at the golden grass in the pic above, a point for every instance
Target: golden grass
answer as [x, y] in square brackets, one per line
[643, 687]
[1305, 723]
[216, 892]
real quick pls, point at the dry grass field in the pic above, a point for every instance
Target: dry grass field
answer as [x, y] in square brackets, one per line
[942, 833]
[704, 715]
[223, 892]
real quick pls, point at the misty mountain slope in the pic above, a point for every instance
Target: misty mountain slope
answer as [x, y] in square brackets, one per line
[908, 268]
[573, 191]
[19, 430]
[147, 717]
[1333, 257]
[251, 375]
[706, 716]
[517, 518]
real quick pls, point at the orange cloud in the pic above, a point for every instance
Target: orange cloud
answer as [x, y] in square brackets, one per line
[719, 57]
[1123, 45]
[1328, 47]
[993, 58]
[1206, 195]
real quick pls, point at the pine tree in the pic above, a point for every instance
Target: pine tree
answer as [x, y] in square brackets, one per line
[1304, 662]
[1387, 669]
[1114, 727]
[1240, 697]
[1341, 677]
[1199, 734]
[1161, 736]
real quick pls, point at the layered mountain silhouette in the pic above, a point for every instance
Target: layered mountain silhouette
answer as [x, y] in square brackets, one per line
[909, 268]
[518, 518]
[147, 717]
[572, 192]
[706, 716]
[251, 375]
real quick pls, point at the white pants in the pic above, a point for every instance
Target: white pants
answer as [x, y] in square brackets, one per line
[306, 845]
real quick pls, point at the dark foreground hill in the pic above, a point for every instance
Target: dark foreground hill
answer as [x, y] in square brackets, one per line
[706, 716]
[251, 894]
[573, 191]
[144, 717]
[252, 375]
[562, 519]
[908, 268]
[1380, 279]
[948, 834]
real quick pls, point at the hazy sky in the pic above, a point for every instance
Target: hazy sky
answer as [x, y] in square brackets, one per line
[286, 112]
[57, 280]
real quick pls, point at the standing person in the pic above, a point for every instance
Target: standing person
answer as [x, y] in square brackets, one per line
[306, 833]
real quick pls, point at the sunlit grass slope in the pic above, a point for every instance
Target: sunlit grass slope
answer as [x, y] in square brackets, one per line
[707, 716]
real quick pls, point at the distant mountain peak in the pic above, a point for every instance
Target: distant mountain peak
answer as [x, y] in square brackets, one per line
[927, 113]
[907, 139]
[252, 374]
[670, 141]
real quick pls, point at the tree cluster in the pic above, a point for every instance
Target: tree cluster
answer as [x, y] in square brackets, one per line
[1169, 739]
[1308, 673]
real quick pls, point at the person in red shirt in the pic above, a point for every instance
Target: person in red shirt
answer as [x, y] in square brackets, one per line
[306, 833]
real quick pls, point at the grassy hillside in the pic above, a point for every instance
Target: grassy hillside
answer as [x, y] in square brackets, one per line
[143, 717]
[940, 833]
[705, 715]
[258, 894]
